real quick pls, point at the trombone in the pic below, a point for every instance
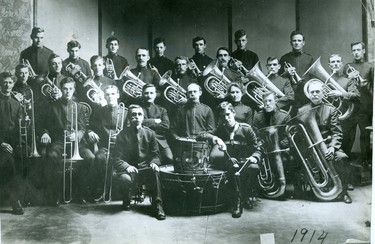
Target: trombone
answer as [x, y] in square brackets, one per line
[111, 141]
[74, 152]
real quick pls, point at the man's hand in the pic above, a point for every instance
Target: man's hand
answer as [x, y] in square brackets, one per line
[335, 93]
[157, 121]
[93, 137]
[234, 162]
[252, 159]
[330, 153]
[154, 167]
[56, 94]
[19, 97]
[132, 169]
[46, 139]
[7, 147]
[71, 137]
[290, 69]
[220, 143]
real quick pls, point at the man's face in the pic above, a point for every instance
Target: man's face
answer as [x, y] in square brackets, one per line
[273, 66]
[67, 90]
[316, 93]
[98, 67]
[111, 95]
[223, 58]
[149, 94]
[160, 49]
[199, 46]
[73, 52]
[136, 116]
[227, 117]
[7, 85]
[142, 57]
[241, 43]
[22, 75]
[269, 103]
[38, 39]
[335, 63]
[55, 65]
[181, 66]
[297, 42]
[358, 52]
[235, 94]
[113, 47]
[193, 93]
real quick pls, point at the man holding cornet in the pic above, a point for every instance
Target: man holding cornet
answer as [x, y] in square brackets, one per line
[115, 63]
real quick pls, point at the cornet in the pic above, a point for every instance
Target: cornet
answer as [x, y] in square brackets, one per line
[50, 90]
[32, 73]
[76, 73]
[193, 67]
[294, 78]
[357, 78]
[110, 69]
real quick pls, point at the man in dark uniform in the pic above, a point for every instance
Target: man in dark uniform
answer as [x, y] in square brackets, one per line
[247, 57]
[329, 126]
[137, 160]
[10, 113]
[37, 54]
[182, 75]
[22, 87]
[73, 48]
[200, 58]
[59, 124]
[160, 62]
[119, 62]
[240, 142]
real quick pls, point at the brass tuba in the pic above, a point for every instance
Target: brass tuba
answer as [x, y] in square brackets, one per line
[174, 92]
[259, 85]
[317, 70]
[216, 83]
[272, 163]
[133, 86]
[304, 134]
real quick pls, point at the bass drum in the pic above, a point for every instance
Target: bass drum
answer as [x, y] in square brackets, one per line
[193, 194]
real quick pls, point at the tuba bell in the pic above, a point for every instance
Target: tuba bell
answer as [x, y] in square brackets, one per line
[133, 86]
[317, 70]
[304, 134]
[216, 83]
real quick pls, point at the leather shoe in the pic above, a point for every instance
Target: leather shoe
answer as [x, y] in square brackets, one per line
[237, 209]
[17, 208]
[160, 215]
[350, 187]
[126, 205]
[347, 199]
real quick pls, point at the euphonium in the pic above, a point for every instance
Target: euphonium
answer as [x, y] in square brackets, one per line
[32, 73]
[216, 83]
[272, 163]
[95, 94]
[317, 70]
[110, 68]
[120, 119]
[133, 86]
[174, 92]
[259, 85]
[49, 89]
[304, 134]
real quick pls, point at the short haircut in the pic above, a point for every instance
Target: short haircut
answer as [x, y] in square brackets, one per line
[134, 106]
[237, 85]
[20, 66]
[94, 58]
[141, 48]
[296, 32]
[312, 82]
[53, 56]
[195, 84]
[222, 48]
[238, 34]
[159, 40]
[148, 86]
[36, 30]
[73, 44]
[198, 38]
[181, 58]
[112, 87]
[226, 105]
[111, 39]
[356, 43]
[4, 75]
[334, 55]
[272, 58]
[266, 94]
[67, 80]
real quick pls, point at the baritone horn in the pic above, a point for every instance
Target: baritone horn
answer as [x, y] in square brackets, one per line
[174, 93]
[31, 70]
[120, 119]
[329, 84]
[216, 83]
[304, 134]
[133, 86]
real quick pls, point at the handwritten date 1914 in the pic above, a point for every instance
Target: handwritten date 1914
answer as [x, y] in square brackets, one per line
[306, 236]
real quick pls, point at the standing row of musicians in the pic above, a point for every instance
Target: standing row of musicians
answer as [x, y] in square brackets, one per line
[193, 119]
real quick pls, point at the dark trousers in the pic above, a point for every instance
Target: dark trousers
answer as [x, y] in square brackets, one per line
[8, 178]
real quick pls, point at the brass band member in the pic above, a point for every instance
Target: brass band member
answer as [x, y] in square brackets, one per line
[200, 58]
[240, 141]
[137, 159]
[59, 118]
[103, 121]
[119, 62]
[37, 54]
[247, 57]
[149, 76]
[182, 74]
[281, 83]
[365, 84]
[74, 48]
[10, 113]
[22, 87]
[156, 118]
[160, 62]
[244, 114]
[329, 125]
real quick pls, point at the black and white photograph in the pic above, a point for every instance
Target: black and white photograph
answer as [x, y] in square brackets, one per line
[186, 121]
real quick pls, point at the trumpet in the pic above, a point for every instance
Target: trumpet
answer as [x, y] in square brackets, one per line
[357, 78]
[174, 92]
[110, 68]
[74, 152]
[216, 83]
[193, 67]
[95, 94]
[133, 86]
[120, 119]
[31, 71]
[50, 90]
[294, 78]
[76, 73]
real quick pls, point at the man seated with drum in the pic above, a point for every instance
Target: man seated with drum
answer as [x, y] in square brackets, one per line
[137, 160]
[236, 150]
[329, 126]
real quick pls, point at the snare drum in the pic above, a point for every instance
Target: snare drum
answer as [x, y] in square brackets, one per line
[193, 194]
[192, 156]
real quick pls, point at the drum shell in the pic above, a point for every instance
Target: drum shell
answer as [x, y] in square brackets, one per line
[192, 157]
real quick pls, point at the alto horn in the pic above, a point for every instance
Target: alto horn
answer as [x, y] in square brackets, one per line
[216, 83]
[304, 134]
[49, 89]
[133, 86]
[95, 93]
[329, 84]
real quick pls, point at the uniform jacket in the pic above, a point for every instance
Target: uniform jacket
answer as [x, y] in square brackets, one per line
[163, 64]
[201, 61]
[10, 112]
[247, 57]
[285, 87]
[38, 58]
[83, 64]
[119, 63]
